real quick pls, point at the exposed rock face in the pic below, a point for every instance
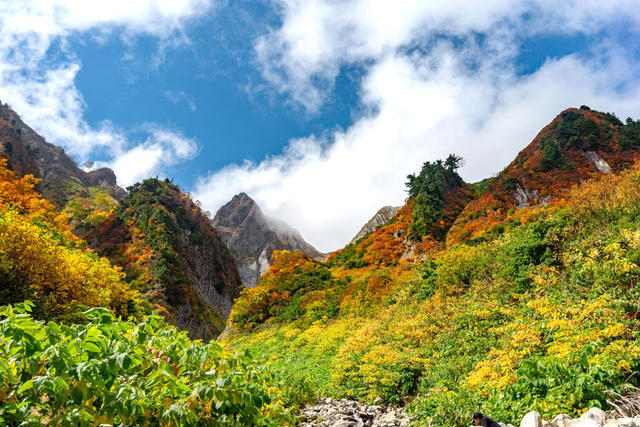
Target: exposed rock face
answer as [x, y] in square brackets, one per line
[252, 237]
[348, 413]
[381, 217]
[598, 162]
[28, 153]
[524, 197]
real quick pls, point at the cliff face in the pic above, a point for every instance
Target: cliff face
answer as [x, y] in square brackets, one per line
[381, 217]
[61, 178]
[171, 253]
[252, 237]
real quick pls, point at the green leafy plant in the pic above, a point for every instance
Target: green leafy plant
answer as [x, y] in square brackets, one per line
[109, 371]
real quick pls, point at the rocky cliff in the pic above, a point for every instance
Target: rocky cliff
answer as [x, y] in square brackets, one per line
[62, 179]
[381, 217]
[171, 253]
[252, 237]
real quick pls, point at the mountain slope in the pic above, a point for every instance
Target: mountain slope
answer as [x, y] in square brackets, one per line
[575, 146]
[381, 217]
[171, 253]
[252, 237]
[41, 260]
[536, 309]
[61, 179]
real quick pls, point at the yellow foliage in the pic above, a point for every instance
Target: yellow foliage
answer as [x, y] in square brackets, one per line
[41, 268]
[607, 191]
[41, 259]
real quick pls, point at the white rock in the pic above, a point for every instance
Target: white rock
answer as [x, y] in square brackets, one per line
[586, 422]
[594, 414]
[562, 420]
[627, 422]
[532, 419]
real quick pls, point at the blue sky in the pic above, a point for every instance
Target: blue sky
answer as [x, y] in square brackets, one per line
[210, 90]
[318, 109]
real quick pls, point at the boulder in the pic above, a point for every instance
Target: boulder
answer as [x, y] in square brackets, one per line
[596, 415]
[562, 420]
[532, 419]
[627, 422]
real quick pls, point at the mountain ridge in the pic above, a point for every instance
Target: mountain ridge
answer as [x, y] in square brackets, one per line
[61, 178]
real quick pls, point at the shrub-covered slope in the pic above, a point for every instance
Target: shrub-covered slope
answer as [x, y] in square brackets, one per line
[172, 255]
[577, 144]
[536, 311]
[41, 260]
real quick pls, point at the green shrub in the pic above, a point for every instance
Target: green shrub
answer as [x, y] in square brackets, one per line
[115, 372]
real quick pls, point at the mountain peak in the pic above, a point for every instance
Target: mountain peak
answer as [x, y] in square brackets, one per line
[252, 237]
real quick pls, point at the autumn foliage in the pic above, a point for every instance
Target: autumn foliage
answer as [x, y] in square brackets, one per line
[530, 306]
[41, 260]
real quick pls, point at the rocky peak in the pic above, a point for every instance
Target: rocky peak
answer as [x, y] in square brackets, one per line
[381, 217]
[252, 237]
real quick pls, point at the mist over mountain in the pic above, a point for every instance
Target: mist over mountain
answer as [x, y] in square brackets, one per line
[252, 237]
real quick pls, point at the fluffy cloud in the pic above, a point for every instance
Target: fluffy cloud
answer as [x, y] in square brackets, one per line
[162, 148]
[43, 90]
[317, 37]
[439, 78]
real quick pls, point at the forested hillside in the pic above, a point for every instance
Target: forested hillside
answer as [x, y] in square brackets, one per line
[528, 302]
[171, 254]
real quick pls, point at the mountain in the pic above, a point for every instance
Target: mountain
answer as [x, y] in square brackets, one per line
[252, 237]
[61, 178]
[381, 217]
[171, 253]
[575, 146]
[513, 294]
[166, 246]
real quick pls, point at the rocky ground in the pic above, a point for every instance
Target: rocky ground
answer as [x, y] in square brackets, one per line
[348, 413]
[594, 417]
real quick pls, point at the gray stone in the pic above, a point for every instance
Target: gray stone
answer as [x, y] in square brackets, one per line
[627, 422]
[597, 161]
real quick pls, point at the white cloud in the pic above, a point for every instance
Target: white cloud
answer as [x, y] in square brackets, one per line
[43, 91]
[163, 148]
[461, 96]
[317, 37]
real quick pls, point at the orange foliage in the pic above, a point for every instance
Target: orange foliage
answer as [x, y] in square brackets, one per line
[285, 262]
[387, 244]
[19, 194]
